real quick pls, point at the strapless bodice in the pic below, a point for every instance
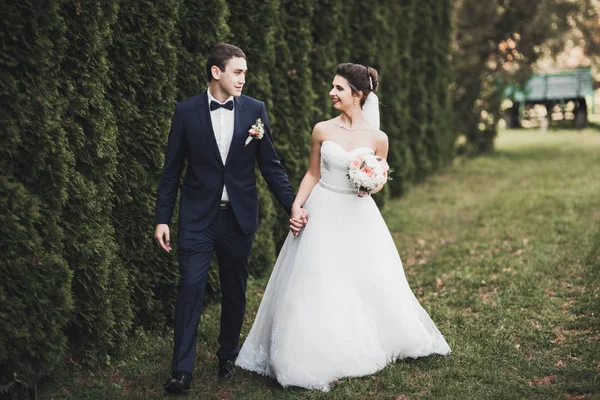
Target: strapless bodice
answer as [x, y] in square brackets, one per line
[335, 161]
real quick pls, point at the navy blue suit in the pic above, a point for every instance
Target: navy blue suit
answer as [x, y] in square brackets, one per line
[204, 229]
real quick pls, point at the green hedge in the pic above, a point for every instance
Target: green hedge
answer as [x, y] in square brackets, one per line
[143, 59]
[88, 89]
[102, 309]
[35, 289]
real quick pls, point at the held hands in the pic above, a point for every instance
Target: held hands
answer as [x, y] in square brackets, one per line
[163, 237]
[298, 220]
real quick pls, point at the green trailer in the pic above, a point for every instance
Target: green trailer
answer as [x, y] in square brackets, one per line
[551, 90]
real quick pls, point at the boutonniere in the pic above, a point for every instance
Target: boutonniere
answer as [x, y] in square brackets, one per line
[256, 131]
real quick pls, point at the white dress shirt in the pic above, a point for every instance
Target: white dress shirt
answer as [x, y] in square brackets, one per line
[222, 122]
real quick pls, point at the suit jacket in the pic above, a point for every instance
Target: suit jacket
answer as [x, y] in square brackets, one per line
[192, 137]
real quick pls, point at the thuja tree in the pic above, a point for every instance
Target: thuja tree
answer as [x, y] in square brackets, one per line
[200, 26]
[143, 75]
[291, 80]
[327, 31]
[292, 86]
[35, 286]
[370, 41]
[393, 92]
[418, 101]
[255, 33]
[445, 135]
[433, 66]
[102, 313]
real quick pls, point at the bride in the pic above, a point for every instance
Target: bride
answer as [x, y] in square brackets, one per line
[337, 303]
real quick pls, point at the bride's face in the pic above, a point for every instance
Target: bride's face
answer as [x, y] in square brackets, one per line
[341, 94]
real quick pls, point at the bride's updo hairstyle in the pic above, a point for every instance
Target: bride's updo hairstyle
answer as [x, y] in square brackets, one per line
[361, 78]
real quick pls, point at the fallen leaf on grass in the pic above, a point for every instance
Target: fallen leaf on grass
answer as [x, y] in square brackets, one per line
[559, 338]
[580, 396]
[546, 380]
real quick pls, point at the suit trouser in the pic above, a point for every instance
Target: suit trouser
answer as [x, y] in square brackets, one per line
[195, 250]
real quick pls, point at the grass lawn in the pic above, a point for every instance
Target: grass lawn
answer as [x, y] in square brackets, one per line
[504, 253]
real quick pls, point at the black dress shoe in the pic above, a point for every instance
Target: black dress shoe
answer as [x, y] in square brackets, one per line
[178, 383]
[225, 369]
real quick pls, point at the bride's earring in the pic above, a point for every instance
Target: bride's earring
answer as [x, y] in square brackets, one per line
[354, 101]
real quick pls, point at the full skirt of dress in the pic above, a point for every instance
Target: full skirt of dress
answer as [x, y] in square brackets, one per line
[337, 303]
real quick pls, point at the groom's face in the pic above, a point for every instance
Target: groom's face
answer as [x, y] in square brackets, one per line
[231, 81]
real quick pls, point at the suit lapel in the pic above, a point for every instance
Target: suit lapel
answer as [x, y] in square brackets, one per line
[238, 128]
[207, 128]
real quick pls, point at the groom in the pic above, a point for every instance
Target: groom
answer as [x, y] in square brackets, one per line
[219, 204]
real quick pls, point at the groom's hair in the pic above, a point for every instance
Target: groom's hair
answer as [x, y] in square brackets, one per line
[219, 55]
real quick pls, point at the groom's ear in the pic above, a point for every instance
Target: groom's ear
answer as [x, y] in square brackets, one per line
[216, 72]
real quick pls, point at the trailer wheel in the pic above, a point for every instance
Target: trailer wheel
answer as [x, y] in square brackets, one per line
[512, 118]
[581, 120]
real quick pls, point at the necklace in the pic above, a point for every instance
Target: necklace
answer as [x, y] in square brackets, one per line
[343, 125]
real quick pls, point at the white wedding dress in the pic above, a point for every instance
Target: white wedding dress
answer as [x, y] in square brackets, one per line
[337, 303]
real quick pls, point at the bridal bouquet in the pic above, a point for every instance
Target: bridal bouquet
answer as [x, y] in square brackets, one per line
[368, 171]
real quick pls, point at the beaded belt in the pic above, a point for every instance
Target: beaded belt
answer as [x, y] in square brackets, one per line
[337, 189]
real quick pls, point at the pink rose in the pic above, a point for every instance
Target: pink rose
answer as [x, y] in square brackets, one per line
[368, 171]
[253, 132]
[384, 165]
[355, 164]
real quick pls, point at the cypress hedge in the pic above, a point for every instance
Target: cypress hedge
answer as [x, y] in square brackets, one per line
[255, 33]
[102, 310]
[88, 90]
[394, 89]
[327, 32]
[143, 61]
[35, 289]
[200, 26]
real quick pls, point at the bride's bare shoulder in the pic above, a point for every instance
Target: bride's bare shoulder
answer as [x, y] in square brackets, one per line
[380, 135]
[381, 140]
[324, 124]
[321, 127]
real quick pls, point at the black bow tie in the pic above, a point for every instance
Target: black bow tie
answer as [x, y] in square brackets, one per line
[215, 105]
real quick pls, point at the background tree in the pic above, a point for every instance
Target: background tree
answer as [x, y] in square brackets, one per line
[292, 119]
[255, 34]
[395, 82]
[35, 289]
[100, 288]
[327, 29]
[143, 73]
[496, 42]
[200, 25]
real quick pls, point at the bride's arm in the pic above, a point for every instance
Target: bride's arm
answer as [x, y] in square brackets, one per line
[313, 174]
[381, 150]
